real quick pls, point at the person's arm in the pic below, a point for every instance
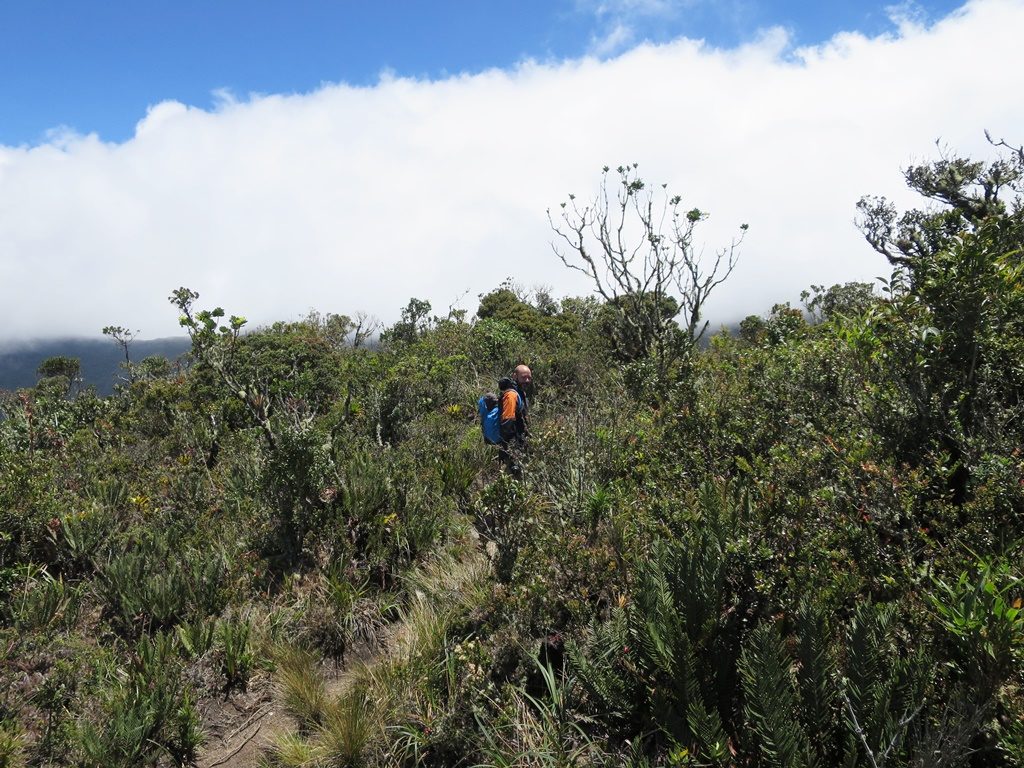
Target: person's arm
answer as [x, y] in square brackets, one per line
[524, 412]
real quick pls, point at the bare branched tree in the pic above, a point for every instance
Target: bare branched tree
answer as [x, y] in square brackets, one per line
[363, 329]
[635, 244]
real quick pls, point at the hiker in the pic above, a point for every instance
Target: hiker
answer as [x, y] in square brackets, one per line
[512, 425]
[503, 417]
[523, 378]
[514, 417]
[490, 418]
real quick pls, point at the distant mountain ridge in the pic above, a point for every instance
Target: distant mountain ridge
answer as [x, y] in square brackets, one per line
[100, 358]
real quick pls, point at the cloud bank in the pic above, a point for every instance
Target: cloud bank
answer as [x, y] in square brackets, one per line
[349, 198]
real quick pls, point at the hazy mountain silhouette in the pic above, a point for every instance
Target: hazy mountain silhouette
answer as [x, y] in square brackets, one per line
[100, 358]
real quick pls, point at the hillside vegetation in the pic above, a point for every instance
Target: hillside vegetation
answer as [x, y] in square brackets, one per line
[798, 546]
[99, 360]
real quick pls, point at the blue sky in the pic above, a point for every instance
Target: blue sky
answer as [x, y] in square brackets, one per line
[97, 66]
[370, 152]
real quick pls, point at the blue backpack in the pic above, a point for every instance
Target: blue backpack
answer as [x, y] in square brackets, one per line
[490, 418]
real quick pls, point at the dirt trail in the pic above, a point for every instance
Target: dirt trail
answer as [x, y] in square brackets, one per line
[244, 726]
[240, 729]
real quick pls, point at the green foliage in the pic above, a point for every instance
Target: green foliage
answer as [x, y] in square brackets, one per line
[817, 668]
[771, 701]
[155, 583]
[44, 600]
[840, 301]
[982, 614]
[883, 692]
[666, 639]
[971, 194]
[233, 640]
[68, 370]
[12, 752]
[537, 730]
[798, 546]
[196, 636]
[497, 344]
[81, 538]
[146, 714]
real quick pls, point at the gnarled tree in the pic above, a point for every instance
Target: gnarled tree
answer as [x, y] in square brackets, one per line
[965, 193]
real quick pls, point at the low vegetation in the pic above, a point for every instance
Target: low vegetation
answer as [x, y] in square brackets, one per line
[798, 545]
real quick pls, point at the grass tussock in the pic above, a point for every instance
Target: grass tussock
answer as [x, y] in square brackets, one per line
[301, 686]
[363, 724]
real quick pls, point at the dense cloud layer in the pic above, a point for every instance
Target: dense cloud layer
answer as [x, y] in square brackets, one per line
[350, 199]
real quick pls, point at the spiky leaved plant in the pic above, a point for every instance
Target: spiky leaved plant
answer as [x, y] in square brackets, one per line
[233, 635]
[771, 704]
[816, 680]
[537, 731]
[147, 713]
[883, 689]
[649, 667]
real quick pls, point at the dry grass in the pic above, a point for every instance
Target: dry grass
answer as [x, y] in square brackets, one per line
[301, 686]
[354, 729]
[291, 751]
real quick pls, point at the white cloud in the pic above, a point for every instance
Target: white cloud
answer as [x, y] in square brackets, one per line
[614, 40]
[618, 20]
[358, 198]
[908, 16]
[632, 7]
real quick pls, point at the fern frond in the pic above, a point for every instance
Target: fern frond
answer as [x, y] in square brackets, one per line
[770, 701]
[816, 677]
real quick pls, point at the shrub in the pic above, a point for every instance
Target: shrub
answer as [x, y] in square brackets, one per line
[156, 584]
[145, 715]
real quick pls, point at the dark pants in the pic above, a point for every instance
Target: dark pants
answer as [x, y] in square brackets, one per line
[510, 454]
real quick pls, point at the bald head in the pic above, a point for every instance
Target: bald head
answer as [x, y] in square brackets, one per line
[523, 375]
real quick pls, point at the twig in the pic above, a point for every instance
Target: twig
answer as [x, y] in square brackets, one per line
[858, 730]
[237, 749]
[879, 762]
[247, 723]
[898, 732]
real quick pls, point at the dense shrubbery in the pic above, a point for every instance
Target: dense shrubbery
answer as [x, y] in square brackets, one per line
[798, 546]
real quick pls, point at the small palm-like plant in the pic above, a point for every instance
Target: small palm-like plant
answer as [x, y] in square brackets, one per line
[196, 635]
[655, 664]
[771, 704]
[142, 595]
[147, 713]
[236, 654]
[457, 471]
[45, 599]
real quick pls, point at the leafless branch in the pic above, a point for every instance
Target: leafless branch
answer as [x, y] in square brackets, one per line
[635, 246]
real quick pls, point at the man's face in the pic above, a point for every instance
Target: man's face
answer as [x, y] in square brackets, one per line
[524, 376]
